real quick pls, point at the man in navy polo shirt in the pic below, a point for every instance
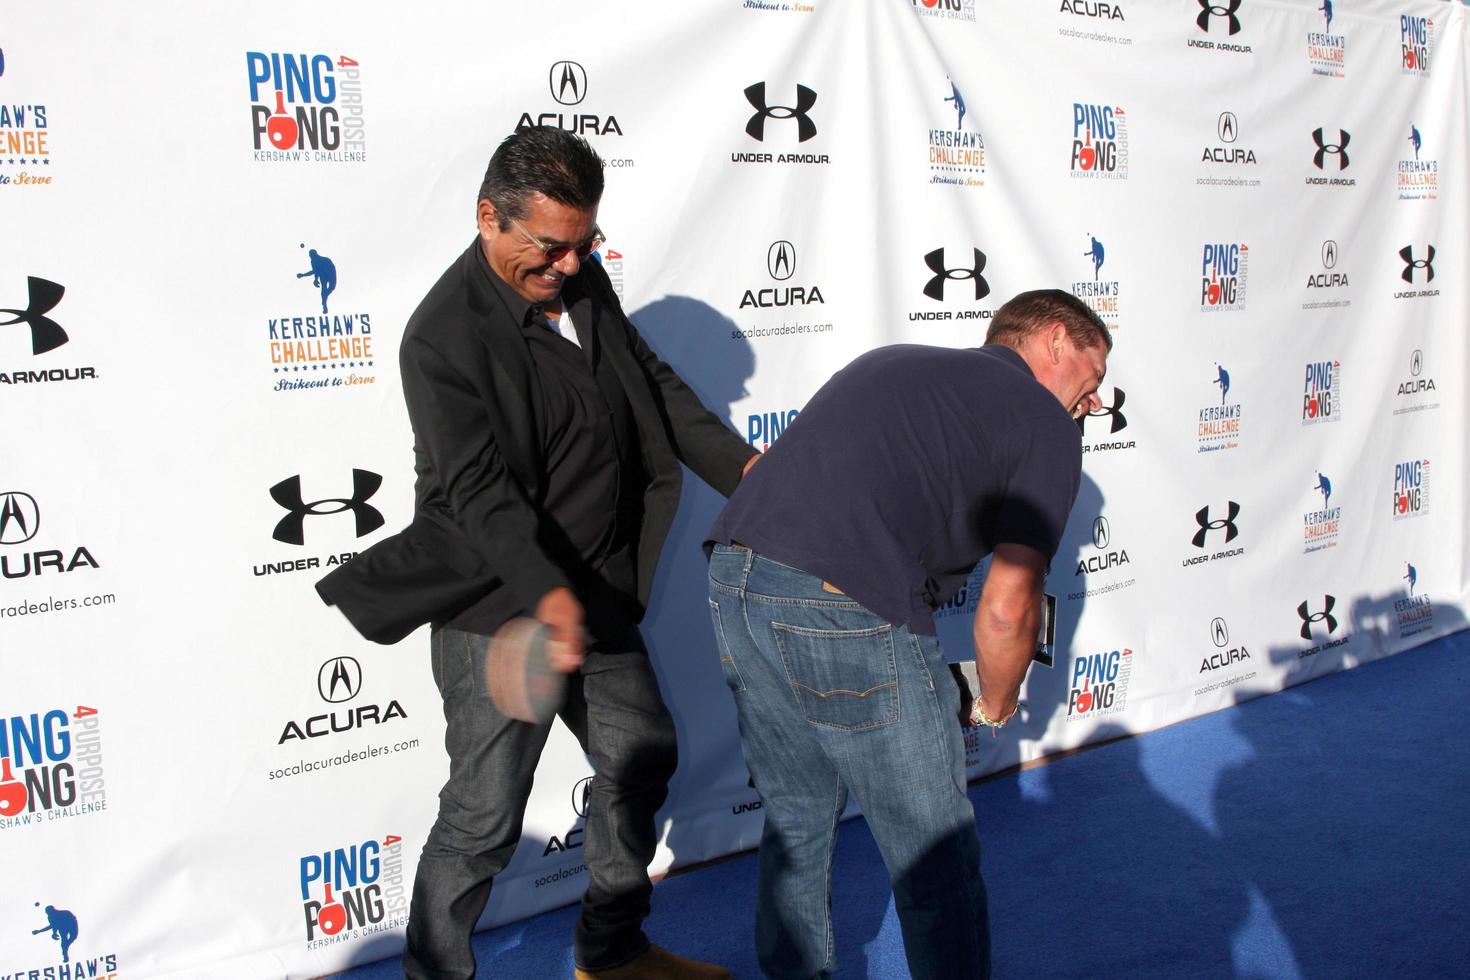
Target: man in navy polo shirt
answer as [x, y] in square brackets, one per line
[905, 470]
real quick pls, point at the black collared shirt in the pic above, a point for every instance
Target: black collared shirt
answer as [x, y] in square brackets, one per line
[592, 494]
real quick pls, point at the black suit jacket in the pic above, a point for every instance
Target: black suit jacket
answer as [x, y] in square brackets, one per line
[472, 393]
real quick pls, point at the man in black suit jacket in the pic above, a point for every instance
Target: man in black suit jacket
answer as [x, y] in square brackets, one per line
[548, 439]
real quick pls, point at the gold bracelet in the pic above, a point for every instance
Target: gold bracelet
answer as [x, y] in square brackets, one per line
[978, 717]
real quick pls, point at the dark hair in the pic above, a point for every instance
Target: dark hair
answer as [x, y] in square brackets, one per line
[544, 159]
[1031, 311]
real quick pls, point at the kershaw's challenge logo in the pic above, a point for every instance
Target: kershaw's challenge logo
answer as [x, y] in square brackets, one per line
[329, 347]
[1414, 613]
[1219, 425]
[956, 155]
[361, 891]
[25, 142]
[1417, 179]
[51, 767]
[305, 107]
[61, 926]
[1326, 51]
[1321, 525]
[1102, 296]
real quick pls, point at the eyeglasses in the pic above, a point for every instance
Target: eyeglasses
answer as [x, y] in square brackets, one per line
[554, 253]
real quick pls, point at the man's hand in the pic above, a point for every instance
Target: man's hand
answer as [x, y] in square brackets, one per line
[1006, 624]
[560, 610]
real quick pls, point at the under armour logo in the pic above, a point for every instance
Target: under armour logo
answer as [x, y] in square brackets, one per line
[339, 679]
[1218, 632]
[1208, 10]
[581, 793]
[1227, 127]
[1329, 254]
[20, 518]
[1101, 534]
[1202, 518]
[1427, 264]
[287, 493]
[1113, 411]
[1339, 148]
[781, 260]
[46, 333]
[934, 289]
[805, 99]
[1308, 617]
[568, 82]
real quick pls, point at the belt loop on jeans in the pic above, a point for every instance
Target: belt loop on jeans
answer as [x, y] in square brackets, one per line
[749, 558]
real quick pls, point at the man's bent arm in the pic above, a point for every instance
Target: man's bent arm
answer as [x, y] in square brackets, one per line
[488, 503]
[1006, 623]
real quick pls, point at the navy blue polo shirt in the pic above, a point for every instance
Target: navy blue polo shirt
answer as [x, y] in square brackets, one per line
[906, 469]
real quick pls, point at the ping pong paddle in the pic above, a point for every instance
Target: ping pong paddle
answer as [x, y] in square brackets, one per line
[518, 674]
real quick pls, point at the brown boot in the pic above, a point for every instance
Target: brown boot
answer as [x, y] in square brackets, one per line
[657, 963]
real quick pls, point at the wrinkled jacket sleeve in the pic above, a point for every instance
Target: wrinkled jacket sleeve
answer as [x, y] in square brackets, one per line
[487, 503]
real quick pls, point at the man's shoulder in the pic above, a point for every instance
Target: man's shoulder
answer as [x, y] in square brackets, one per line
[447, 313]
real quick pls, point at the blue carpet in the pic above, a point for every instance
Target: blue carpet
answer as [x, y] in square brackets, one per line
[1311, 833]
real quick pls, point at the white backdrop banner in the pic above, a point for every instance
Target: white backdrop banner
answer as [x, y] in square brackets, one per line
[217, 219]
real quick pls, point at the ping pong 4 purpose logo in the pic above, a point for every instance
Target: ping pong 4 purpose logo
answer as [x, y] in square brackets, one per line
[1223, 276]
[1099, 684]
[50, 766]
[305, 107]
[1416, 44]
[1099, 141]
[353, 891]
[1410, 489]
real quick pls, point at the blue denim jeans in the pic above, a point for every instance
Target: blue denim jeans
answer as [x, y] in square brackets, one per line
[614, 708]
[832, 699]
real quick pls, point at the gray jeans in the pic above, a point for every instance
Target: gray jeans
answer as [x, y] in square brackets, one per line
[614, 708]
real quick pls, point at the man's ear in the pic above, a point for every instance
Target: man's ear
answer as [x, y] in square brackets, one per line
[486, 217]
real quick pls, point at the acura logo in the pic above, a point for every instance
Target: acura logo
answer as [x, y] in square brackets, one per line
[781, 260]
[1416, 363]
[1100, 533]
[339, 679]
[934, 289]
[581, 793]
[287, 493]
[20, 519]
[1218, 632]
[805, 99]
[1227, 127]
[1308, 617]
[1339, 148]
[1329, 254]
[568, 82]
[43, 295]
